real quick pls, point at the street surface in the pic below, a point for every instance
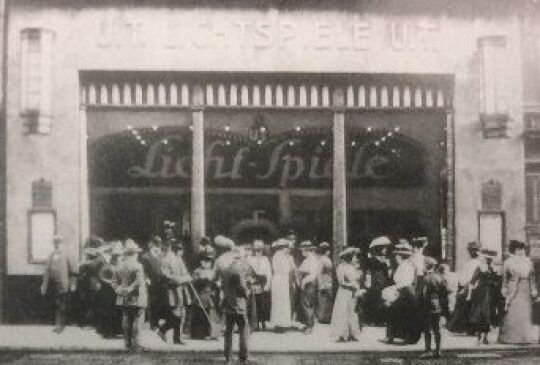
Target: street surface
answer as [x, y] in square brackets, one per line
[489, 358]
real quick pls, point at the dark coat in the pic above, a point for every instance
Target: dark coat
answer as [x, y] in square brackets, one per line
[235, 287]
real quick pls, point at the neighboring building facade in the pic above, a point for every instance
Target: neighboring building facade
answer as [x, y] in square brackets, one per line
[339, 121]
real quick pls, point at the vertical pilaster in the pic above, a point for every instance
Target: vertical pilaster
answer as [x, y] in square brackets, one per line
[284, 208]
[84, 205]
[198, 224]
[339, 185]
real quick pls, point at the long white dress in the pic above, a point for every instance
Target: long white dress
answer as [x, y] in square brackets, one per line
[283, 265]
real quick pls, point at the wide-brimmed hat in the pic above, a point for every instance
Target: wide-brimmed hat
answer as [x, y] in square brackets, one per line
[130, 247]
[474, 245]
[419, 242]
[430, 262]
[117, 248]
[258, 245]
[306, 245]
[402, 249]
[348, 252]
[91, 251]
[223, 242]
[280, 243]
[380, 241]
[324, 246]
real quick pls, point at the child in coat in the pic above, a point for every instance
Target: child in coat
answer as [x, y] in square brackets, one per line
[433, 305]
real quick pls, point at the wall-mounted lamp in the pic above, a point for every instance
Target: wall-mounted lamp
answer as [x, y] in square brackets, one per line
[493, 88]
[36, 79]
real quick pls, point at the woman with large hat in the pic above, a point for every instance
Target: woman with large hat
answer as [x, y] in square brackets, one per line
[519, 289]
[483, 311]
[308, 272]
[380, 272]
[325, 284]
[283, 267]
[345, 325]
[459, 322]
[403, 321]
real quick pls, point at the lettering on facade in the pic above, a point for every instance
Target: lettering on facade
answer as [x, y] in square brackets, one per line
[286, 160]
[276, 34]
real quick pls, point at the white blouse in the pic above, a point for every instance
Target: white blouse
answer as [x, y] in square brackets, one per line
[404, 275]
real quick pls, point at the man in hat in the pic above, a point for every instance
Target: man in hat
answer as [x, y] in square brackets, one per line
[379, 277]
[459, 322]
[176, 278]
[325, 284]
[151, 261]
[236, 293]
[262, 280]
[58, 280]
[308, 271]
[131, 294]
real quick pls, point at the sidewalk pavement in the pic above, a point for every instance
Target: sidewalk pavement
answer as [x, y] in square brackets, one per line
[41, 338]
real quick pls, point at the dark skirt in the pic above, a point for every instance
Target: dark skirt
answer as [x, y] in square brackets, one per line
[374, 309]
[459, 323]
[108, 314]
[308, 305]
[482, 312]
[325, 305]
[202, 326]
[262, 304]
[404, 317]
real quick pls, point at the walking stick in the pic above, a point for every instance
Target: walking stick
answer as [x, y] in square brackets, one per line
[210, 322]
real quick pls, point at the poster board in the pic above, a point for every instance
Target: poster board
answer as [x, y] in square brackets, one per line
[491, 231]
[41, 230]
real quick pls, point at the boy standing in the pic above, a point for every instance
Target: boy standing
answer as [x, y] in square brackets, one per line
[433, 305]
[131, 294]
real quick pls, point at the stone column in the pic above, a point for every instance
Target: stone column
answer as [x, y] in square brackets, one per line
[450, 194]
[84, 205]
[198, 224]
[339, 185]
[284, 207]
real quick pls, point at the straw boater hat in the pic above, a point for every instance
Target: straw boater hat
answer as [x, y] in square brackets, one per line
[280, 243]
[130, 247]
[402, 249]
[258, 245]
[380, 241]
[348, 252]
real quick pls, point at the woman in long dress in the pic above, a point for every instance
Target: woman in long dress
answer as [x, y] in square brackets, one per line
[203, 327]
[283, 267]
[483, 312]
[519, 289]
[345, 326]
[324, 282]
[403, 312]
[380, 277]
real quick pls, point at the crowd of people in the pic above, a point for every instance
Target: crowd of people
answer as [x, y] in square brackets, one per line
[256, 287]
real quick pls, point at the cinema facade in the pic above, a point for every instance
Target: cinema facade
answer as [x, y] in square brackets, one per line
[341, 122]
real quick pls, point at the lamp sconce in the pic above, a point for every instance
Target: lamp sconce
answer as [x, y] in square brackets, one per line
[494, 115]
[36, 79]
